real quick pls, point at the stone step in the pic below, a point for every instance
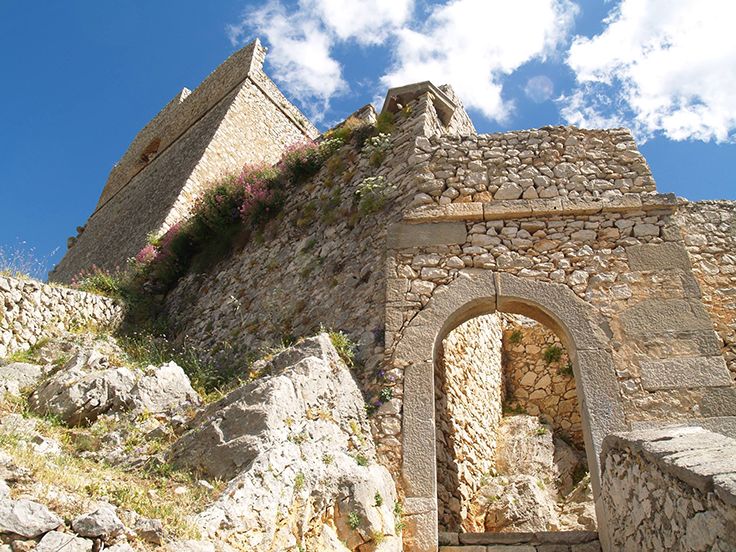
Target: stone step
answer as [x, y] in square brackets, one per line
[547, 541]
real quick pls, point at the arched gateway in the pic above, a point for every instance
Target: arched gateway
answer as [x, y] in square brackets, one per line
[624, 303]
[476, 292]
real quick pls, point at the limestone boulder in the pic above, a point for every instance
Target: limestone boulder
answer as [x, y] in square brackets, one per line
[88, 387]
[297, 449]
[162, 389]
[100, 523]
[16, 376]
[26, 518]
[56, 541]
[518, 503]
[525, 447]
[83, 389]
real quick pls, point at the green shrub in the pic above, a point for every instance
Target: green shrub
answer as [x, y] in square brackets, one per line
[385, 123]
[353, 520]
[516, 337]
[551, 354]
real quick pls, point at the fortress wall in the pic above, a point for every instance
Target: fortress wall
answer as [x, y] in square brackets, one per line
[551, 162]
[468, 398]
[610, 262]
[319, 262]
[31, 310]
[709, 232]
[670, 490]
[254, 130]
[537, 386]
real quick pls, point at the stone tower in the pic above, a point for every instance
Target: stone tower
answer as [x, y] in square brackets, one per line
[235, 116]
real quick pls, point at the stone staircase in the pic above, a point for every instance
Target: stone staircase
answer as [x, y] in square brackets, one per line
[551, 541]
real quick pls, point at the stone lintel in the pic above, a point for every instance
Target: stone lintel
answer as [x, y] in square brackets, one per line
[453, 211]
[508, 209]
[663, 256]
[403, 235]
[684, 373]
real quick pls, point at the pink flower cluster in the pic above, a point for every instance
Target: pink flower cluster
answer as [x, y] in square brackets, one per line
[256, 181]
[151, 252]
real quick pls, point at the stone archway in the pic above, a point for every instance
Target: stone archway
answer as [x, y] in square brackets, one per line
[477, 292]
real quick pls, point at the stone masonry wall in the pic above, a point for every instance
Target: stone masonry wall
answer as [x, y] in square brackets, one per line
[545, 163]
[29, 310]
[211, 135]
[671, 489]
[468, 396]
[540, 386]
[709, 232]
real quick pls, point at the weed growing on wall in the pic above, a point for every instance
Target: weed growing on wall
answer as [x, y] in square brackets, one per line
[372, 194]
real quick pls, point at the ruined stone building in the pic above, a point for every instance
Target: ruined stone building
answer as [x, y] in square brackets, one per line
[536, 271]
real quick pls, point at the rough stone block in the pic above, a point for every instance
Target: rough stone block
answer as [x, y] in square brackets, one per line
[688, 372]
[653, 316]
[725, 425]
[663, 256]
[594, 546]
[462, 549]
[403, 235]
[553, 548]
[496, 538]
[725, 487]
[508, 548]
[507, 209]
[718, 401]
[452, 212]
[419, 470]
[420, 532]
[448, 539]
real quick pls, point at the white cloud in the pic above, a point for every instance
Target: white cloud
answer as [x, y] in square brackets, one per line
[659, 67]
[301, 41]
[299, 55]
[366, 21]
[539, 89]
[472, 44]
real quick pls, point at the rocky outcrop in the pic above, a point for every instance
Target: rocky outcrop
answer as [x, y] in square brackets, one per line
[533, 489]
[297, 446]
[88, 386]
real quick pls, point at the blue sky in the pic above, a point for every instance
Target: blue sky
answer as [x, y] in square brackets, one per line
[80, 78]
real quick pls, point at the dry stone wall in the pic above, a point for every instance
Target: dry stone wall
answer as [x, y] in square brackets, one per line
[31, 310]
[671, 489]
[539, 377]
[469, 396]
[545, 163]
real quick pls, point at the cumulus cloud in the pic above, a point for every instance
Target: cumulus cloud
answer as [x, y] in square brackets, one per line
[473, 44]
[366, 21]
[660, 67]
[302, 39]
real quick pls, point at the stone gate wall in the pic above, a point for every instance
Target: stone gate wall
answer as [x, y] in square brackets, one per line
[469, 402]
[537, 384]
[31, 310]
[670, 489]
[709, 233]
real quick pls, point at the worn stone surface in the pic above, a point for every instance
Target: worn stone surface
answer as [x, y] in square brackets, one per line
[102, 522]
[658, 490]
[297, 448]
[55, 541]
[26, 518]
